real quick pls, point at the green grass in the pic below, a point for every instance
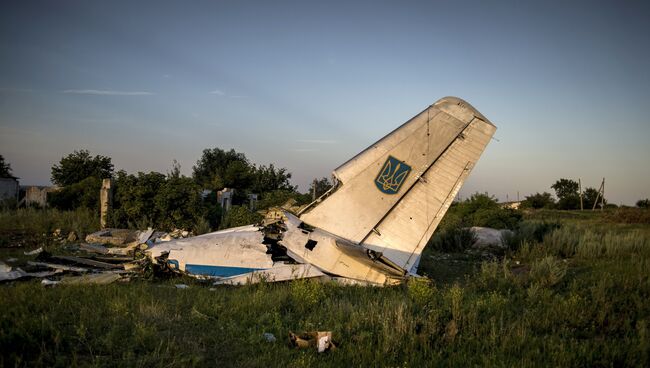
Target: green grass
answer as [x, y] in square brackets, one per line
[34, 226]
[577, 297]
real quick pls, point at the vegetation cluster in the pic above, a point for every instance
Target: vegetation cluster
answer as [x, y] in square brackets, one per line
[172, 200]
[568, 196]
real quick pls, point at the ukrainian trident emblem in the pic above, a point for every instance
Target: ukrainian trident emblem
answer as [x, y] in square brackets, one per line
[392, 175]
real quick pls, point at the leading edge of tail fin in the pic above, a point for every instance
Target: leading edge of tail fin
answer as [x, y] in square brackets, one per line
[391, 196]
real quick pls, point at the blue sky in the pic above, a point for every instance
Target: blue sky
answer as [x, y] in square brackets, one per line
[306, 85]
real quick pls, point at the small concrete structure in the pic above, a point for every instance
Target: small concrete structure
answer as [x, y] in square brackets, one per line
[225, 197]
[37, 194]
[9, 188]
[252, 202]
[105, 201]
[514, 205]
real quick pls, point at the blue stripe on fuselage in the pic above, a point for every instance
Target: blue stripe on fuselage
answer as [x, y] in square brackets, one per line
[222, 271]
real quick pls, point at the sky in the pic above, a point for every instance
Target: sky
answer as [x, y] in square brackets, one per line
[308, 84]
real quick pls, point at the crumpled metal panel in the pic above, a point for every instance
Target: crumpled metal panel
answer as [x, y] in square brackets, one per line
[223, 253]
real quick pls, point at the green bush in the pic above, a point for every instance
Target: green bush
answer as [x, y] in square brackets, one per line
[240, 216]
[280, 197]
[179, 203]
[496, 218]
[481, 210]
[134, 199]
[547, 271]
[529, 231]
[163, 202]
[539, 200]
[454, 239]
[84, 194]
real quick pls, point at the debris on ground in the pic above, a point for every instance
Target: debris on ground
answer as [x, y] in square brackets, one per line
[34, 252]
[130, 238]
[269, 337]
[58, 266]
[72, 236]
[8, 273]
[48, 282]
[487, 237]
[94, 248]
[113, 236]
[321, 340]
[88, 263]
[182, 286]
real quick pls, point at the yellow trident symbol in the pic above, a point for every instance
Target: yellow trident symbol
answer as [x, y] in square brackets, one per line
[391, 179]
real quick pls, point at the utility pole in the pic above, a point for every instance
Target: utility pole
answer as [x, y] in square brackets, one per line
[313, 192]
[601, 196]
[580, 189]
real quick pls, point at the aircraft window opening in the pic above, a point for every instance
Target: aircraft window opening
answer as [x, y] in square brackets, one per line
[311, 244]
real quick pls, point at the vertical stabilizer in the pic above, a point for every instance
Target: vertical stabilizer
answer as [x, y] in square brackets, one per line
[391, 196]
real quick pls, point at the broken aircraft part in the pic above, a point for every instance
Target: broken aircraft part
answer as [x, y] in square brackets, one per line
[370, 228]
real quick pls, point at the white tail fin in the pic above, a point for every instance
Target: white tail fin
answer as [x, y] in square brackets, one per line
[391, 196]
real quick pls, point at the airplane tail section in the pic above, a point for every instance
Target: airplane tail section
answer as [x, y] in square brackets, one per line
[391, 197]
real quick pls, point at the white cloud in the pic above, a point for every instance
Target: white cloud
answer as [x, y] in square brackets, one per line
[106, 92]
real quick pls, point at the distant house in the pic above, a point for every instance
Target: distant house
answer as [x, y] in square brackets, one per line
[9, 188]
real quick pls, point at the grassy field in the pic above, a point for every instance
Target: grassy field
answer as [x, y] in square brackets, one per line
[576, 295]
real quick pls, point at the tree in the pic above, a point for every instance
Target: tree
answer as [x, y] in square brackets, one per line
[134, 199]
[179, 203]
[539, 200]
[643, 203]
[80, 165]
[5, 169]
[590, 196]
[321, 185]
[566, 191]
[269, 179]
[84, 194]
[218, 169]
